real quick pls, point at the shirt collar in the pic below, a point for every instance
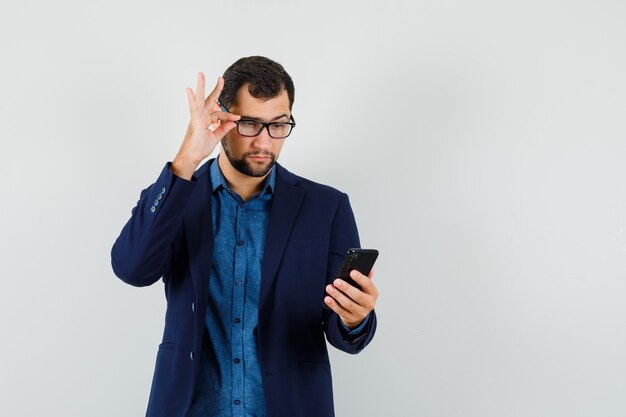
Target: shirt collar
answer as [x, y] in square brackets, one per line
[217, 179]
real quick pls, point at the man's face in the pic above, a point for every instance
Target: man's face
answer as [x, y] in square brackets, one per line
[255, 156]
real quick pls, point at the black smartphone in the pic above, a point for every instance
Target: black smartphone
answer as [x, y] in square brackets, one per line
[360, 259]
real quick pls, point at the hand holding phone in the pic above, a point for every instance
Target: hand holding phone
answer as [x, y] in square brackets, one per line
[360, 259]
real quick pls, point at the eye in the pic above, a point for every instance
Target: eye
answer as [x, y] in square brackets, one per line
[278, 127]
[248, 124]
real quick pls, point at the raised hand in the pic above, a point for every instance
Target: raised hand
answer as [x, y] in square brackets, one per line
[200, 141]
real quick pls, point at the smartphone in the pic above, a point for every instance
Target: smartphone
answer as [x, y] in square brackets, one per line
[360, 259]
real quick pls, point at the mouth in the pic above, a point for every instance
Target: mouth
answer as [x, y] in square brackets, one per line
[260, 158]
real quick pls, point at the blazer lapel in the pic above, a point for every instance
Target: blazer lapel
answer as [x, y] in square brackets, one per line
[285, 206]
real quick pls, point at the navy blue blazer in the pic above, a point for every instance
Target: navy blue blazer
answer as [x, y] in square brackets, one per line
[169, 236]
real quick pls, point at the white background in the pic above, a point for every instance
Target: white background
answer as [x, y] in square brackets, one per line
[482, 144]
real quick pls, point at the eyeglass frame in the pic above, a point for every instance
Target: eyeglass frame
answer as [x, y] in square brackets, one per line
[264, 125]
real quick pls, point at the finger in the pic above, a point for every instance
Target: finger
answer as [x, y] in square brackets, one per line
[223, 129]
[220, 116]
[344, 315]
[216, 107]
[192, 100]
[336, 307]
[353, 292]
[366, 283]
[215, 94]
[346, 302]
[200, 89]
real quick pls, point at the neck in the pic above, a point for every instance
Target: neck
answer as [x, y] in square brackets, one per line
[244, 185]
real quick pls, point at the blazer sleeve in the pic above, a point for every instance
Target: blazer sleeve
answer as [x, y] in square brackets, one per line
[343, 236]
[143, 250]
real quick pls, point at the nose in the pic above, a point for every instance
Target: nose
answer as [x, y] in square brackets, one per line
[263, 139]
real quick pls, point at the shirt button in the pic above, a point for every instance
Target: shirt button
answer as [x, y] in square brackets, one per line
[240, 242]
[237, 402]
[238, 282]
[237, 360]
[237, 320]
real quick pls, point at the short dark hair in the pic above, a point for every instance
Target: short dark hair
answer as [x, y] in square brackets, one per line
[265, 79]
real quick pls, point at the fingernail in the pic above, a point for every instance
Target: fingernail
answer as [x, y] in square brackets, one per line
[338, 283]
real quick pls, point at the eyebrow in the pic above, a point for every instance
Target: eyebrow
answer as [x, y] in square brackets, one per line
[258, 119]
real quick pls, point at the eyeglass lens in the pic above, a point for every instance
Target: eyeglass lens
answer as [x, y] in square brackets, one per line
[252, 128]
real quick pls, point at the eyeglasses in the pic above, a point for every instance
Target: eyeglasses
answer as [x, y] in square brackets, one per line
[252, 128]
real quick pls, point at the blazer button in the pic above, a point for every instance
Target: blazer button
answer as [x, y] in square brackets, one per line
[193, 307]
[163, 190]
[153, 209]
[191, 355]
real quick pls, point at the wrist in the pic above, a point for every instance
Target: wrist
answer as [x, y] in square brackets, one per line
[183, 167]
[353, 324]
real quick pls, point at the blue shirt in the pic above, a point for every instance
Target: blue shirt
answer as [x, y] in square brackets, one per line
[229, 379]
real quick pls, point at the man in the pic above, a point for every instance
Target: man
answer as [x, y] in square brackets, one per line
[247, 252]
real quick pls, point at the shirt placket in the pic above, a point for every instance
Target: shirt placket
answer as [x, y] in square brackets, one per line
[239, 285]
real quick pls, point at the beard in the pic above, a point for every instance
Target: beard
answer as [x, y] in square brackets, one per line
[246, 166]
